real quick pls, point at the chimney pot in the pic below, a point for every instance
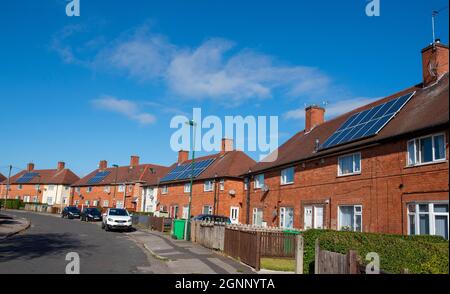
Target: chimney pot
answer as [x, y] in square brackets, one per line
[103, 165]
[30, 167]
[314, 116]
[183, 156]
[61, 165]
[134, 161]
[227, 145]
[434, 62]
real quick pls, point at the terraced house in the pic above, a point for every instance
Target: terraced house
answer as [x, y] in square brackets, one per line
[380, 168]
[49, 186]
[2, 179]
[217, 188]
[116, 186]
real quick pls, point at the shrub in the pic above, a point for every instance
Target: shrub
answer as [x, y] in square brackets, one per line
[12, 203]
[417, 254]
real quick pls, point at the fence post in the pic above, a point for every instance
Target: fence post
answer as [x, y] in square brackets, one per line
[299, 254]
[258, 251]
[316, 258]
[353, 264]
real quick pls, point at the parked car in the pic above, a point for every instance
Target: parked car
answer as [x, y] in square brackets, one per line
[91, 214]
[212, 218]
[71, 212]
[117, 219]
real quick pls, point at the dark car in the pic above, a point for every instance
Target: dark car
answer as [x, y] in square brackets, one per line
[71, 212]
[91, 214]
[212, 218]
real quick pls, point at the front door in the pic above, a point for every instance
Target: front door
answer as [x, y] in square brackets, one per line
[318, 217]
[308, 217]
[234, 215]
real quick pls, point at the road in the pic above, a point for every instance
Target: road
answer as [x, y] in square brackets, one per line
[42, 249]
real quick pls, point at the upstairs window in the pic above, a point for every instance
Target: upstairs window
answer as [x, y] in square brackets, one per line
[287, 176]
[164, 189]
[427, 149]
[187, 188]
[349, 164]
[89, 189]
[209, 186]
[259, 181]
[222, 185]
[121, 189]
[106, 189]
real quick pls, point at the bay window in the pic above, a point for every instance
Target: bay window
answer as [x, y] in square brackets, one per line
[426, 149]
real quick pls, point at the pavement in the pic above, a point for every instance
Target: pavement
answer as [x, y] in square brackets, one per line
[183, 257]
[44, 246]
[10, 225]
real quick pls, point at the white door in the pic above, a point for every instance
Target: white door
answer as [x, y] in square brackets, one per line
[308, 217]
[234, 215]
[318, 217]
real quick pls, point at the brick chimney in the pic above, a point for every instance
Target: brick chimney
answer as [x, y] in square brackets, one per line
[134, 161]
[183, 156]
[434, 62]
[61, 165]
[103, 165]
[314, 115]
[30, 167]
[227, 145]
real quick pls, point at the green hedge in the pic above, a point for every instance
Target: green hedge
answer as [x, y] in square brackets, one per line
[417, 254]
[13, 203]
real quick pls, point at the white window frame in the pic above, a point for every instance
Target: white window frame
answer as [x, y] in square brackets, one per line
[95, 203]
[355, 213]
[105, 203]
[51, 187]
[431, 216]
[185, 212]
[107, 189]
[50, 200]
[20, 187]
[121, 188]
[88, 189]
[78, 189]
[208, 186]
[210, 209]
[187, 188]
[87, 202]
[283, 177]
[354, 172]
[222, 185]
[164, 189]
[417, 150]
[255, 214]
[120, 206]
[283, 214]
[259, 181]
[234, 218]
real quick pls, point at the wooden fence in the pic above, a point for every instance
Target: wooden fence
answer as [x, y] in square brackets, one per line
[160, 224]
[244, 246]
[209, 235]
[277, 244]
[327, 262]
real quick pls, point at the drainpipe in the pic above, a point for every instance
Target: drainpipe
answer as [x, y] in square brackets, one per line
[247, 199]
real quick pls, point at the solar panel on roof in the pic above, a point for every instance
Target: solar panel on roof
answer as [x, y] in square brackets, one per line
[367, 123]
[183, 172]
[100, 176]
[26, 178]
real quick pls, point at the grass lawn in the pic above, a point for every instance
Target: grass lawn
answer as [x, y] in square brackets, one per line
[278, 264]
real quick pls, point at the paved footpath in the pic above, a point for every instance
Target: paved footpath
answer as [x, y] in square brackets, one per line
[10, 226]
[184, 257]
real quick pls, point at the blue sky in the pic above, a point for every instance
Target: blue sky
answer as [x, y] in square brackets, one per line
[105, 85]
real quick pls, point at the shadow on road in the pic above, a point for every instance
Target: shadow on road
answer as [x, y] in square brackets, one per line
[36, 245]
[8, 222]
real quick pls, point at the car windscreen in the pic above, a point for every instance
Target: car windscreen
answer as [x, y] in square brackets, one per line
[118, 212]
[93, 211]
[73, 209]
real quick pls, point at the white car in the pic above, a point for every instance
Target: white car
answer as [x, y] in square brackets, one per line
[117, 219]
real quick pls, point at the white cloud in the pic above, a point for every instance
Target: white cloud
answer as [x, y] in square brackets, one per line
[333, 109]
[215, 69]
[126, 108]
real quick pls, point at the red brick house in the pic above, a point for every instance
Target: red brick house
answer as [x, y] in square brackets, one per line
[394, 180]
[217, 188]
[2, 178]
[50, 186]
[117, 186]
